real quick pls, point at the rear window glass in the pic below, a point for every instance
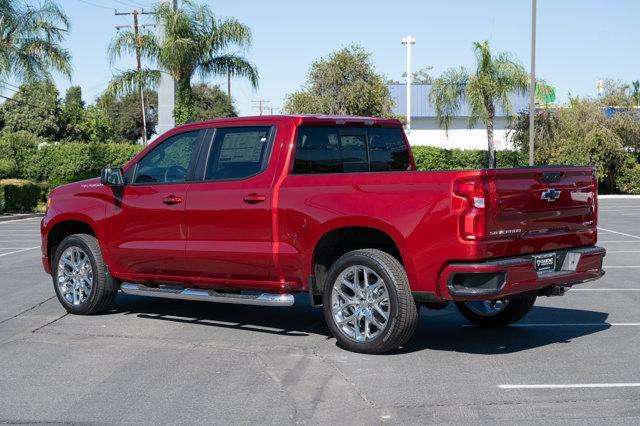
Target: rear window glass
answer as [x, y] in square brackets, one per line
[349, 150]
[387, 150]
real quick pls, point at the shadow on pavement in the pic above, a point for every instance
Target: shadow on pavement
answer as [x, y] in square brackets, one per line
[440, 330]
[450, 335]
[298, 320]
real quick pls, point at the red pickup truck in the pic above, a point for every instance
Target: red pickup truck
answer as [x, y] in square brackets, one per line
[253, 210]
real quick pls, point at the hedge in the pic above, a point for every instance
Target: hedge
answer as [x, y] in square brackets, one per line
[433, 158]
[629, 180]
[57, 164]
[19, 195]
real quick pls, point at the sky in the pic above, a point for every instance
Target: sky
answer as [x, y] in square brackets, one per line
[579, 41]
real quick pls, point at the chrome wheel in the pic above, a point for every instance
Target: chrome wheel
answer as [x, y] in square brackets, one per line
[75, 276]
[487, 308]
[360, 303]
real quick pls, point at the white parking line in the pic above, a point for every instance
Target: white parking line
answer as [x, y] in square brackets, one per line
[605, 289]
[12, 248]
[621, 267]
[570, 324]
[619, 233]
[571, 386]
[19, 251]
[620, 241]
[9, 222]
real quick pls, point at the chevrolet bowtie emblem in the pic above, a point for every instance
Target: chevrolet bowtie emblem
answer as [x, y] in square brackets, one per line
[550, 195]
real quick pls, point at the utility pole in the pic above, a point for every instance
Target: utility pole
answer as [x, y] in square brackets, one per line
[408, 40]
[532, 86]
[136, 27]
[260, 105]
[229, 85]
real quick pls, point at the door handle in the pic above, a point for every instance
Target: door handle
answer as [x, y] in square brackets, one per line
[172, 199]
[254, 198]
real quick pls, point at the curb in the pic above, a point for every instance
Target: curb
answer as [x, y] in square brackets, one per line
[618, 197]
[18, 216]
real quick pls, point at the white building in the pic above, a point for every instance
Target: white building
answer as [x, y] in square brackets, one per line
[426, 131]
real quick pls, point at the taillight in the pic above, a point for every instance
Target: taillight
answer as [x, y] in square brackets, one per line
[473, 220]
[595, 198]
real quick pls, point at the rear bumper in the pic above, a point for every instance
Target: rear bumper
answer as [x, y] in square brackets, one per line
[510, 276]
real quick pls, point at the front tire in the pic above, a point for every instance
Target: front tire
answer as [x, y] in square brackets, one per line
[367, 302]
[497, 313]
[80, 277]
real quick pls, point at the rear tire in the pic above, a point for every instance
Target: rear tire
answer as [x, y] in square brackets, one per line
[379, 314]
[81, 279]
[514, 310]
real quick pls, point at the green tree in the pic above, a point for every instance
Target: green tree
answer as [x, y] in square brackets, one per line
[344, 84]
[35, 108]
[635, 94]
[125, 115]
[211, 102]
[30, 40]
[17, 150]
[422, 76]
[195, 42]
[96, 125]
[546, 128]
[494, 79]
[73, 111]
[582, 134]
[615, 93]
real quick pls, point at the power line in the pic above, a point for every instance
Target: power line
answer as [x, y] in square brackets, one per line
[21, 101]
[6, 83]
[128, 3]
[96, 5]
[260, 105]
[10, 88]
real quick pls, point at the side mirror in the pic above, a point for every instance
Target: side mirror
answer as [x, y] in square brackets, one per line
[112, 177]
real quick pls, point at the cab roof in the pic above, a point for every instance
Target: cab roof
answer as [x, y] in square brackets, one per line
[299, 119]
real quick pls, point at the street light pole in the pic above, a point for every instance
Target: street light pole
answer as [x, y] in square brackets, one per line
[532, 86]
[167, 86]
[408, 40]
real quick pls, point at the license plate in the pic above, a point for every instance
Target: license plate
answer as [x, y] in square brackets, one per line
[545, 263]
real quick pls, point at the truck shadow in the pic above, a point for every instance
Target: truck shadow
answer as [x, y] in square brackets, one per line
[543, 326]
[444, 330]
[298, 320]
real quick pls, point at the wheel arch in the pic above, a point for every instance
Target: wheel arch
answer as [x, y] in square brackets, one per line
[65, 227]
[336, 241]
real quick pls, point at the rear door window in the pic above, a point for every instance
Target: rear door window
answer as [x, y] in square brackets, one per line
[349, 150]
[238, 152]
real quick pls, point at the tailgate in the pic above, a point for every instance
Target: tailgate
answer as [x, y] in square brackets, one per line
[548, 202]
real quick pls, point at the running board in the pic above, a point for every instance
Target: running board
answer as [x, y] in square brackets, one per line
[265, 299]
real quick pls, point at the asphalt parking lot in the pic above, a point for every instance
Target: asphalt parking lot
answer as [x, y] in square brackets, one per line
[573, 358]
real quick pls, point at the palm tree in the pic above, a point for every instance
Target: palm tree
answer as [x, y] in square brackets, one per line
[194, 42]
[636, 92]
[494, 80]
[30, 40]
